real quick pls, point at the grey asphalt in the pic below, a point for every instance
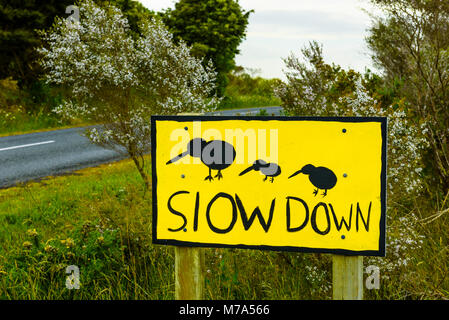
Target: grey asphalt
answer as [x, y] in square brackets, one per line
[70, 151]
[38, 155]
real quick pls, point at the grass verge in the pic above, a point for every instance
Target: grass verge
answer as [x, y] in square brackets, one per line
[15, 123]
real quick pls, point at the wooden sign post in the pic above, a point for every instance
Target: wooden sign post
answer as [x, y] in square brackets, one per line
[189, 271]
[306, 184]
[347, 277]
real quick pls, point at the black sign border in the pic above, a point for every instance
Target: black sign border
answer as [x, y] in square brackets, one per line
[190, 118]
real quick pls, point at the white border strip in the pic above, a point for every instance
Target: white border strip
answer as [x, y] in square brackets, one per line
[27, 145]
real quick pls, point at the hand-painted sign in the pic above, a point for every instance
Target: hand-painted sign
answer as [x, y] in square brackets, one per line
[280, 183]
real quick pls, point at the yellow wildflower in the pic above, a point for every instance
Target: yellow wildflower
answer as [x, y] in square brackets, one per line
[69, 242]
[32, 233]
[27, 245]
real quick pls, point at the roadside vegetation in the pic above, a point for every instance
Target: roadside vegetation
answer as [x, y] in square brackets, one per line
[20, 113]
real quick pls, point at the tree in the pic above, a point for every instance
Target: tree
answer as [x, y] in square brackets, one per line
[119, 82]
[214, 29]
[410, 44]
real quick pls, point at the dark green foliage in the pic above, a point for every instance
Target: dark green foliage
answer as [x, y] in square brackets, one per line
[214, 29]
[95, 251]
[133, 10]
[18, 21]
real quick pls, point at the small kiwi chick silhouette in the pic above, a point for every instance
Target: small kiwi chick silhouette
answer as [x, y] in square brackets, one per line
[268, 169]
[215, 154]
[321, 177]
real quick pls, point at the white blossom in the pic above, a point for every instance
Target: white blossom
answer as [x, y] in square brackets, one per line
[118, 81]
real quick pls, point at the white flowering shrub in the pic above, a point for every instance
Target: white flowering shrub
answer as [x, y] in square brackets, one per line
[318, 279]
[118, 82]
[403, 238]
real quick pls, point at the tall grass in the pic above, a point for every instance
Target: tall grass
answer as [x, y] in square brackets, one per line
[27, 110]
[100, 220]
[97, 220]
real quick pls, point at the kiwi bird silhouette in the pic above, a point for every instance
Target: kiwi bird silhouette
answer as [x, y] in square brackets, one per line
[215, 154]
[322, 178]
[268, 169]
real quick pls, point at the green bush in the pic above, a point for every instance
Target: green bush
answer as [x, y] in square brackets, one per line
[246, 91]
[28, 109]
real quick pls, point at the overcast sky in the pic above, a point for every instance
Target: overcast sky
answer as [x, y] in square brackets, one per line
[279, 27]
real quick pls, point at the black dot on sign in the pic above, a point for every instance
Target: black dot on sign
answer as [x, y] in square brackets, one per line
[345, 175]
[343, 237]
[185, 229]
[183, 176]
[185, 128]
[344, 130]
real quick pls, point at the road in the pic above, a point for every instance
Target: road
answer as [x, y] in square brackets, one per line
[38, 155]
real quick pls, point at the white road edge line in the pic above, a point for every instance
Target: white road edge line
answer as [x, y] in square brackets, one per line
[27, 145]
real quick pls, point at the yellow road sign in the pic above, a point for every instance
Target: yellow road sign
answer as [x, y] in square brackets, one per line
[280, 183]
